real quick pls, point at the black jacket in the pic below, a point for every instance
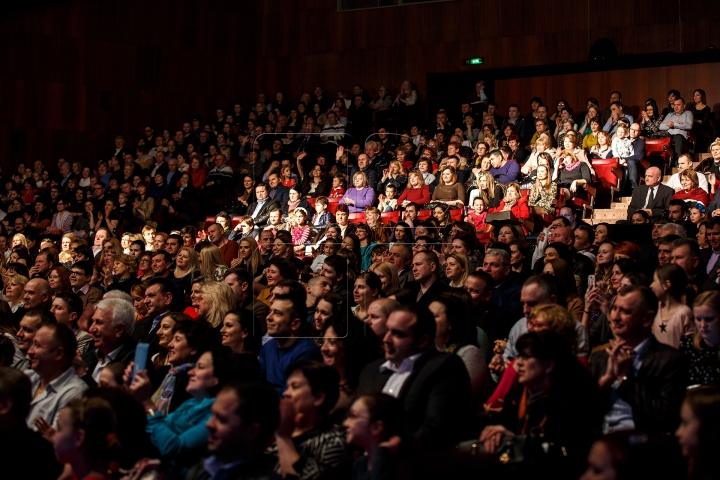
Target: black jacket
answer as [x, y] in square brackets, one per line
[656, 392]
[259, 468]
[663, 195]
[431, 294]
[262, 217]
[435, 397]
[90, 359]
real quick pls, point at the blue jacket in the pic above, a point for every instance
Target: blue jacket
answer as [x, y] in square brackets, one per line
[181, 437]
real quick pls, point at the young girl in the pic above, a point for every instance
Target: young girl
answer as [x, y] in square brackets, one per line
[286, 175]
[621, 145]
[300, 231]
[374, 423]
[674, 319]
[477, 215]
[338, 187]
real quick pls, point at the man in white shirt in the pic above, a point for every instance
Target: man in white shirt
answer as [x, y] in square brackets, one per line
[112, 327]
[685, 162]
[433, 386]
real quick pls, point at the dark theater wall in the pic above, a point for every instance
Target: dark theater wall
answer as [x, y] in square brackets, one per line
[75, 73]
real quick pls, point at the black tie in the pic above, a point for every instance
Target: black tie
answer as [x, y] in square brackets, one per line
[651, 198]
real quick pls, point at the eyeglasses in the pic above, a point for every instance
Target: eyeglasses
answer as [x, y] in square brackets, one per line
[77, 274]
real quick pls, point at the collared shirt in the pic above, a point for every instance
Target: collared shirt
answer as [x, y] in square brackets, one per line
[714, 256]
[157, 321]
[104, 361]
[620, 416]
[57, 394]
[217, 469]
[651, 191]
[400, 374]
[83, 291]
[259, 207]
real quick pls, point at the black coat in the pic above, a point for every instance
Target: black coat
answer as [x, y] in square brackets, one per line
[660, 203]
[262, 217]
[656, 392]
[435, 397]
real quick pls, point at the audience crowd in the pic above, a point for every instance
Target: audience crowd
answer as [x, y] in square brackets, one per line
[340, 288]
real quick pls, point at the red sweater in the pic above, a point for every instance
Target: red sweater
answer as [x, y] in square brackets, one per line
[420, 196]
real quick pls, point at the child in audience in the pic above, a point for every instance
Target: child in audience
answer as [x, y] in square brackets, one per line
[388, 202]
[477, 215]
[338, 187]
[322, 216]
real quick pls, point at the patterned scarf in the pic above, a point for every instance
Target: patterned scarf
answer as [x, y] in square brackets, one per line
[163, 395]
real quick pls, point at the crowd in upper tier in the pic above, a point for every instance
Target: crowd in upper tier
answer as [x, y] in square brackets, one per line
[341, 288]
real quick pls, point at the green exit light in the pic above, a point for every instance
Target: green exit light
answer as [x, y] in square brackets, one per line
[473, 61]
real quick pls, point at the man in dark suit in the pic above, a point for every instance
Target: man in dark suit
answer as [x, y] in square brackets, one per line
[80, 275]
[402, 258]
[159, 297]
[426, 272]
[638, 144]
[433, 387]
[711, 256]
[653, 197]
[277, 191]
[111, 328]
[260, 210]
[642, 380]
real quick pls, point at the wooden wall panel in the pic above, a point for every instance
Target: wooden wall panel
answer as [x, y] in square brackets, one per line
[61, 58]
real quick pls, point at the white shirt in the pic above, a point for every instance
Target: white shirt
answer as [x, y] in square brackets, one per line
[400, 374]
[620, 416]
[101, 363]
[674, 182]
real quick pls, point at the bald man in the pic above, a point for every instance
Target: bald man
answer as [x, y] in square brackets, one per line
[653, 197]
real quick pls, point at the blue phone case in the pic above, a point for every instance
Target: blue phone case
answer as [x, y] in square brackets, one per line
[141, 354]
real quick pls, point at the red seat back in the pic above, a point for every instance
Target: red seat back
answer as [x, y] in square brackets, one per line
[457, 214]
[423, 214]
[311, 201]
[357, 217]
[390, 217]
[604, 170]
[656, 145]
[333, 204]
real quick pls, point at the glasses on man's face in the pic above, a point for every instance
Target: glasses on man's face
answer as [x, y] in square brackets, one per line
[144, 260]
[75, 273]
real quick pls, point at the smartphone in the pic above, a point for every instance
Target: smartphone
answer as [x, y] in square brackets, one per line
[591, 282]
[141, 355]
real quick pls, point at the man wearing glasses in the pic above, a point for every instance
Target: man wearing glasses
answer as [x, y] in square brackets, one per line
[80, 275]
[98, 191]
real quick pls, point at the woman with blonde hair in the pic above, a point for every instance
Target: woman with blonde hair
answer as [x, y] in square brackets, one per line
[360, 195]
[19, 239]
[392, 175]
[215, 300]
[457, 267]
[186, 268]
[211, 262]
[13, 293]
[120, 274]
[544, 192]
[388, 277]
[249, 256]
[416, 192]
[490, 191]
[65, 242]
[702, 350]
[148, 234]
